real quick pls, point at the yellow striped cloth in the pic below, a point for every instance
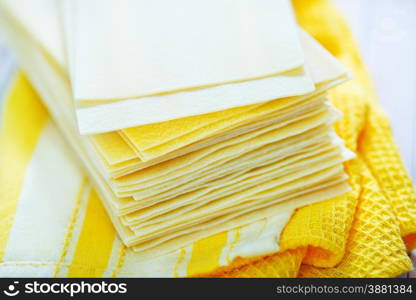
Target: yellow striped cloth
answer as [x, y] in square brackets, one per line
[52, 222]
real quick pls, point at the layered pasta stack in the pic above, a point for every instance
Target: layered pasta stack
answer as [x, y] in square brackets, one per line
[192, 118]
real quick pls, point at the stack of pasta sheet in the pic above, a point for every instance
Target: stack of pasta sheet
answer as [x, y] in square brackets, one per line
[192, 117]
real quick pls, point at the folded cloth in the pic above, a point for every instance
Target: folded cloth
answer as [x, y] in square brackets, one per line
[359, 234]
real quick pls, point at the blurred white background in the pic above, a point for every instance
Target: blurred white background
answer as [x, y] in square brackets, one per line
[386, 33]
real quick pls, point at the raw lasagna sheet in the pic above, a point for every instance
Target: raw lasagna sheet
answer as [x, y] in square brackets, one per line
[177, 133]
[211, 156]
[158, 139]
[165, 46]
[218, 197]
[209, 178]
[243, 144]
[149, 192]
[205, 182]
[132, 112]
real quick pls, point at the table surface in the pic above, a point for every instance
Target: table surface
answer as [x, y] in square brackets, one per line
[386, 34]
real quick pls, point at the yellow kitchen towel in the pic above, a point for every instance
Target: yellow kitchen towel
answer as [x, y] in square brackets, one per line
[382, 206]
[359, 234]
[375, 141]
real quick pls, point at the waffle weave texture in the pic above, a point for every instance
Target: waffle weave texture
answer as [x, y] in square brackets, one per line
[365, 232]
